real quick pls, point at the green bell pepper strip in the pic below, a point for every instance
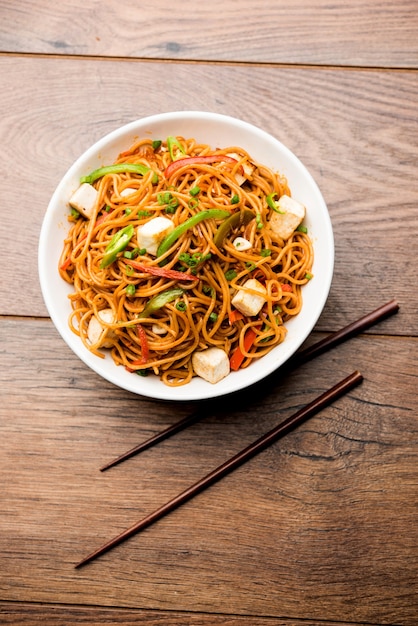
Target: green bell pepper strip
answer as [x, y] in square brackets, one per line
[118, 243]
[118, 168]
[158, 301]
[272, 203]
[217, 214]
[173, 142]
[236, 219]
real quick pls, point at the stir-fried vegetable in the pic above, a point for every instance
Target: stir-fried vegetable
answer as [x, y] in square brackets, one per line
[174, 147]
[217, 214]
[118, 168]
[176, 165]
[160, 300]
[116, 245]
[237, 357]
[160, 271]
[236, 219]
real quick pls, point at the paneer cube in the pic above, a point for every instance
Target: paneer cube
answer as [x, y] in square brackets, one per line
[290, 216]
[211, 364]
[84, 199]
[96, 331]
[241, 244]
[151, 234]
[250, 303]
[248, 169]
[128, 191]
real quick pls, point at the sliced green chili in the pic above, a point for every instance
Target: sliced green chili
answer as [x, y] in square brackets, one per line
[130, 290]
[118, 243]
[172, 143]
[134, 168]
[236, 219]
[161, 299]
[217, 214]
[181, 306]
[272, 203]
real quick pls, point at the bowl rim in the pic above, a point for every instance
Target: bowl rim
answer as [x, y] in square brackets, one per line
[116, 375]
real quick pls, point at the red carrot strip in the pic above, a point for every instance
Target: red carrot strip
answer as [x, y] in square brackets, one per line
[160, 271]
[176, 165]
[237, 357]
[234, 316]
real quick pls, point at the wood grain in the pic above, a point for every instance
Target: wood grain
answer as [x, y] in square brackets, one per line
[320, 529]
[342, 549]
[356, 33]
[24, 614]
[356, 132]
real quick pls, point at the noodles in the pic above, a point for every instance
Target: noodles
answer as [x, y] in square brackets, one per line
[178, 252]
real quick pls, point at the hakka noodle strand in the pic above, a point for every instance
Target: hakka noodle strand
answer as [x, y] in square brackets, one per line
[177, 251]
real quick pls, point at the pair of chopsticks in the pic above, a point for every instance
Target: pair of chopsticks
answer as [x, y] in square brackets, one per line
[264, 441]
[331, 341]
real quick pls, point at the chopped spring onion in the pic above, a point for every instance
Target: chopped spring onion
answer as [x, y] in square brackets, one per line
[230, 274]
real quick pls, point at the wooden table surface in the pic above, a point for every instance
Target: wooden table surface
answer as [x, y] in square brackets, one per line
[319, 529]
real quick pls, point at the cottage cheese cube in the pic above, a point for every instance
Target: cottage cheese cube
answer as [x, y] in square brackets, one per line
[240, 243]
[247, 168]
[127, 192]
[84, 199]
[249, 303]
[290, 216]
[151, 234]
[211, 364]
[96, 330]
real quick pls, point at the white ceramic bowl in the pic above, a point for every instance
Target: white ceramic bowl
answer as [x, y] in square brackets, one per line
[217, 131]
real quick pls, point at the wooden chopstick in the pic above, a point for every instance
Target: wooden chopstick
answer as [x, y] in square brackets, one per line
[301, 357]
[247, 453]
